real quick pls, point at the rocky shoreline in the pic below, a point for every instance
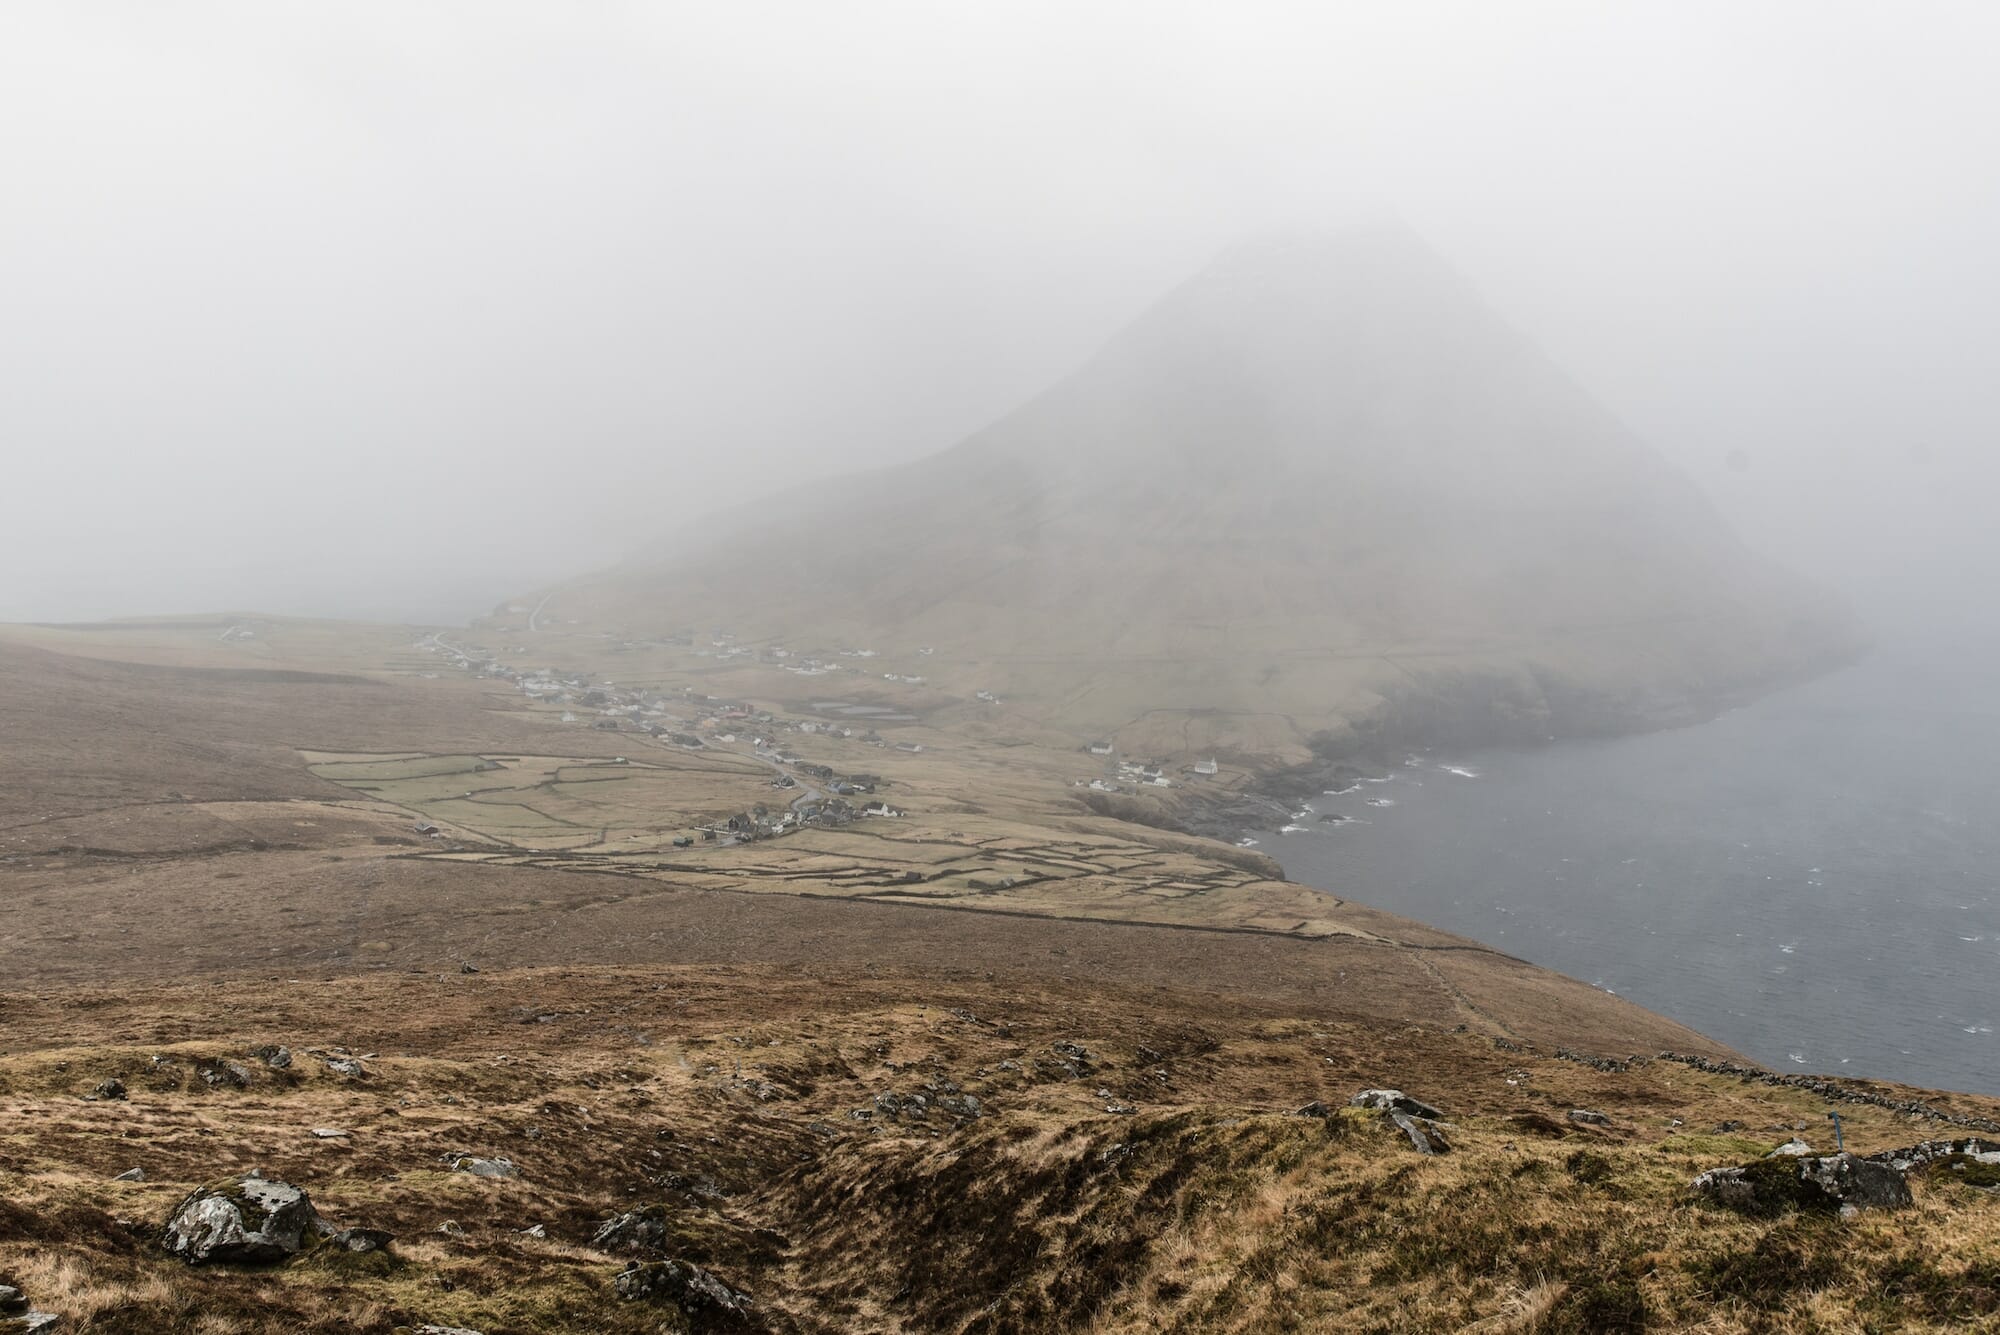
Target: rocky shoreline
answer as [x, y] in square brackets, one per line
[1467, 711]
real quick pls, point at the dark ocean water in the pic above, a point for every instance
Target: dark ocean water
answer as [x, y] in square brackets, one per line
[1813, 879]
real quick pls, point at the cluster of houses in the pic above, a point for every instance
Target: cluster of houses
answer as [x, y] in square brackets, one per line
[694, 721]
[761, 822]
[1131, 775]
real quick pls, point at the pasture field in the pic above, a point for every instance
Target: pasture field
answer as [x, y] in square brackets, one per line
[557, 802]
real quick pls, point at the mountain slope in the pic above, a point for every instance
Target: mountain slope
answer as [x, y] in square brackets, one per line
[1321, 480]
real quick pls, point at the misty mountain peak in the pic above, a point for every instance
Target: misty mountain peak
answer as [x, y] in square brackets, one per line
[1357, 353]
[1318, 477]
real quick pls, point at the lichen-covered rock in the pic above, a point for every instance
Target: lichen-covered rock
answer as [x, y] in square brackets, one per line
[110, 1089]
[18, 1318]
[1589, 1117]
[684, 1285]
[224, 1075]
[1394, 1100]
[643, 1229]
[1073, 1060]
[1793, 1148]
[245, 1220]
[497, 1168]
[1857, 1183]
[361, 1241]
[1423, 1134]
[1786, 1183]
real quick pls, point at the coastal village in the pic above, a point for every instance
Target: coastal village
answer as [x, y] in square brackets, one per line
[877, 788]
[809, 793]
[806, 793]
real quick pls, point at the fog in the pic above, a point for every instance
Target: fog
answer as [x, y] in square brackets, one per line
[393, 311]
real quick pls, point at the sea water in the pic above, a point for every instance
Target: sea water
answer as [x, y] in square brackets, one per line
[1813, 879]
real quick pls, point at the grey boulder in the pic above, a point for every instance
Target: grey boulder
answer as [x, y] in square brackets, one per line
[1780, 1184]
[246, 1220]
[1423, 1134]
[18, 1318]
[1394, 1100]
[684, 1285]
[1857, 1183]
[360, 1241]
[643, 1229]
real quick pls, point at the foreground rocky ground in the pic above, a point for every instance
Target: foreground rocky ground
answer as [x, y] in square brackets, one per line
[909, 1151]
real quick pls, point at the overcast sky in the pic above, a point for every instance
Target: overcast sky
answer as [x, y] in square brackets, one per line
[396, 309]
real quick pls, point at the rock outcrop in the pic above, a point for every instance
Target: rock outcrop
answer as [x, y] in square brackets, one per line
[1395, 1100]
[1423, 1134]
[246, 1220]
[18, 1317]
[1415, 1119]
[1857, 1183]
[643, 1229]
[1784, 1184]
[682, 1284]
